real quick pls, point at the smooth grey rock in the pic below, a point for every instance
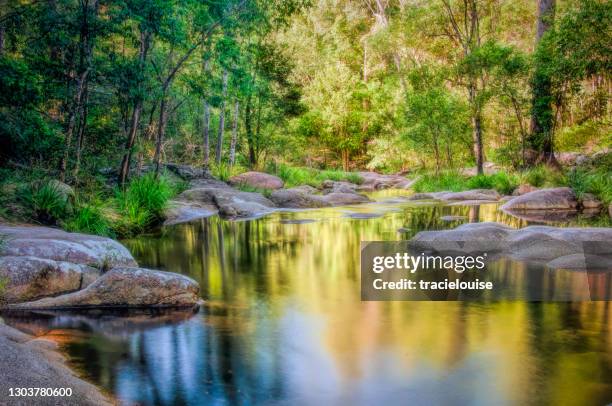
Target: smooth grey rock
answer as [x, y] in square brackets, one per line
[188, 172]
[59, 245]
[589, 201]
[298, 198]
[30, 278]
[562, 198]
[257, 180]
[26, 362]
[231, 203]
[127, 287]
[181, 212]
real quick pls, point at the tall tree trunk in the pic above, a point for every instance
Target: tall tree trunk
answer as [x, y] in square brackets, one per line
[542, 116]
[161, 132]
[232, 156]
[124, 170]
[2, 38]
[81, 137]
[219, 149]
[248, 126]
[71, 123]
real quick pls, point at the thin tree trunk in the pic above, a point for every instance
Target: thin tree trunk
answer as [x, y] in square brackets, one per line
[206, 134]
[81, 137]
[232, 157]
[206, 123]
[542, 117]
[476, 129]
[219, 149]
[161, 132]
[74, 112]
[248, 126]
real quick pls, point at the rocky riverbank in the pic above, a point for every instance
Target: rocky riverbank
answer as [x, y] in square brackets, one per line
[28, 362]
[207, 196]
[44, 267]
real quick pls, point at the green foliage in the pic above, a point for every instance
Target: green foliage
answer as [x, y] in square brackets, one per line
[224, 171]
[45, 202]
[445, 181]
[142, 204]
[90, 218]
[248, 188]
[543, 175]
[297, 176]
[503, 182]
[598, 183]
[3, 285]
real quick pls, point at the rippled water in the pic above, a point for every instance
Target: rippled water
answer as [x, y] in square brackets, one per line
[284, 324]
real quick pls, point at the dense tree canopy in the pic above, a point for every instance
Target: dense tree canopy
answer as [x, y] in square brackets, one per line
[385, 84]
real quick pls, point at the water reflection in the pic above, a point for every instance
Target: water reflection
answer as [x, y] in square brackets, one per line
[284, 324]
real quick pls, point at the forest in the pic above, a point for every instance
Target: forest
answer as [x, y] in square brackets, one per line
[99, 89]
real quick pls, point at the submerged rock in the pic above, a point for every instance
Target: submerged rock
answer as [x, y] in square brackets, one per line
[127, 287]
[257, 180]
[561, 198]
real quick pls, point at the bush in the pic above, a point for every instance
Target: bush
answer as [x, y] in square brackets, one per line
[3, 284]
[224, 171]
[89, 218]
[142, 204]
[45, 202]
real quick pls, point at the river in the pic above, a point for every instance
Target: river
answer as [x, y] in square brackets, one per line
[283, 324]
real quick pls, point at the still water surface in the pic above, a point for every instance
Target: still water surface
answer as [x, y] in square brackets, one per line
[284, 325]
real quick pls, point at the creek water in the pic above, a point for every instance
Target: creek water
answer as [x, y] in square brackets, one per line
[283, 324]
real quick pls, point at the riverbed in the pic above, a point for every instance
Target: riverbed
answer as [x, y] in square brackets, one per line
[283, 323]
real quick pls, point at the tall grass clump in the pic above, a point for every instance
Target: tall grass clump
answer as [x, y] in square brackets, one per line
[500, 181]
[543, 176]
[598, 183]
[45, 202]
[224, 171]
[142, 204]
[89, 217]
[444, 181]
[297, 176]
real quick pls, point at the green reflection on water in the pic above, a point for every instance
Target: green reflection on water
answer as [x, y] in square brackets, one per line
[283, 322]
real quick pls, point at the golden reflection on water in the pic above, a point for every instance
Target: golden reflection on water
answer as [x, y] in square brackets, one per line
[514, 352]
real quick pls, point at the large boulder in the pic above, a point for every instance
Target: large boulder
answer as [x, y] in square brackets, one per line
[561, 198]
[297, 198]
[188, 172]
[475, 194]
[342, 199]
[231, 203]
[31, 278]
[258, 180]
[59, 245]
[471, 237]
[534, 243]
[332, 186]
[375, 181]
[181, 212]
[127, 287]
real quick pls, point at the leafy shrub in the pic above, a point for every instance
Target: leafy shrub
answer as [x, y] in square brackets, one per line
[224, 171]
[3, 285]
[45, 202]
[89, 217]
